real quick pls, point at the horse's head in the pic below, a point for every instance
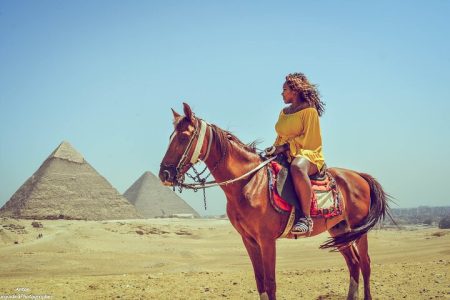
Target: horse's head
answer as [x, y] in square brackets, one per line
[185, 145]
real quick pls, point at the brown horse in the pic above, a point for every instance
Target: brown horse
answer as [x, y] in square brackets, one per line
[249, 208]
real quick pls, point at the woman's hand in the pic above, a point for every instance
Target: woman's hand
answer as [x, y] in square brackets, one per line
[275, 150]
[270, 151]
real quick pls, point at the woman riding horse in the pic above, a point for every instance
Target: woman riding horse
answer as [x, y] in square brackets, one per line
[299, 137]
[243, 176]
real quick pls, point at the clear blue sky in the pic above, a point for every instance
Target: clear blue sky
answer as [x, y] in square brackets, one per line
[104, 74]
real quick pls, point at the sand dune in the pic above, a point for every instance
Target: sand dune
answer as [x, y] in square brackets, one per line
[204, 259]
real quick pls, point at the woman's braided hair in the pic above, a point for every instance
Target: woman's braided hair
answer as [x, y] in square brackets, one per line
[306, 90]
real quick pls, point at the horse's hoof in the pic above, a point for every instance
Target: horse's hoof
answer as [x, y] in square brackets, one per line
[264, 296]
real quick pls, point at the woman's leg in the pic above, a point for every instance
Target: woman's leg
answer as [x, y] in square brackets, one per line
[301, 169]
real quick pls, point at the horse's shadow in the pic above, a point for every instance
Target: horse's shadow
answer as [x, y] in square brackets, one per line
[330, 296]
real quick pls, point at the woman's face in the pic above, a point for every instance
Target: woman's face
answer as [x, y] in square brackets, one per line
[289, 96]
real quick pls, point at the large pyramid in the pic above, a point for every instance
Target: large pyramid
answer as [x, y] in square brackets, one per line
[152, 199]
[67, 187]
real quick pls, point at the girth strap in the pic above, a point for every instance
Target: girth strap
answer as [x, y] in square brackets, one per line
[289, 223]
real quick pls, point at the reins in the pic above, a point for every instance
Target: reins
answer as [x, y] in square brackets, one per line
[201, 183]
[205, 185]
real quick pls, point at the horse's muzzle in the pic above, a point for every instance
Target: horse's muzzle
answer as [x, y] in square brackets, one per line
[166, 175]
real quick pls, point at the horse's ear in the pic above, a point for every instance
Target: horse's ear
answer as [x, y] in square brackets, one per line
[175, 114]
[188, 112]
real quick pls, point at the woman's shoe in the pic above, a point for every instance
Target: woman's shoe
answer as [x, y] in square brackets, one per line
[304, 225]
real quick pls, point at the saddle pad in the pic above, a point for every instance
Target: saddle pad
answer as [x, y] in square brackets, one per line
[326, 199]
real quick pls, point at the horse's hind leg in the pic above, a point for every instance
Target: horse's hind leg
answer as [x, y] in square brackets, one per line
[350, 254]
[364, 263]
[351, 258]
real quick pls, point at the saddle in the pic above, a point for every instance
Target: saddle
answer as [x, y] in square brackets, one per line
[326, 199]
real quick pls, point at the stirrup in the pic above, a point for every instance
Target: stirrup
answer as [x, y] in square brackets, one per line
[303, 225]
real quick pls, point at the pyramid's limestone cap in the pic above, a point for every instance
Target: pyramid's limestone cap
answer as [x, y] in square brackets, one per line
[67, 152]
[148, 174]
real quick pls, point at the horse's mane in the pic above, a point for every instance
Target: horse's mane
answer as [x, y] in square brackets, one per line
[224, 137]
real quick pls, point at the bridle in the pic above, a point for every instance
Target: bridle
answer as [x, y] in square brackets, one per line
[188, 163]
[200, 134]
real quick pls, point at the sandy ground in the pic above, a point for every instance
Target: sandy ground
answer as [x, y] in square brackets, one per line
[204, 259]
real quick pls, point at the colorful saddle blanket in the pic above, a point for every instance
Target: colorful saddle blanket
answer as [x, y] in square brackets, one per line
[326, 199]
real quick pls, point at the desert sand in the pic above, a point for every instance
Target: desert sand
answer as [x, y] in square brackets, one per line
[204, 259]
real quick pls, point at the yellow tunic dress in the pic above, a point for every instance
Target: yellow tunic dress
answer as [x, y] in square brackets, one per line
[301, 130]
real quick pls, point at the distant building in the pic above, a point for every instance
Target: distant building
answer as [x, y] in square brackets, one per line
[420, 215]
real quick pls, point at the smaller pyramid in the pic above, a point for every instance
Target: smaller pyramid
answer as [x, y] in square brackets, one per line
[66, 186]
[152, 199]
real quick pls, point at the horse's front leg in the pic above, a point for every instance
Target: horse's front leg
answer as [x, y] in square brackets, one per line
[268, 251]
[254, 252]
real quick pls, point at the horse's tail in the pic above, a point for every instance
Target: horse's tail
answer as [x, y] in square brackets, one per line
[379, 208]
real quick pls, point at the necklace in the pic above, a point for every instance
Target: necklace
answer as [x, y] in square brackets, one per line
[291, 109]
